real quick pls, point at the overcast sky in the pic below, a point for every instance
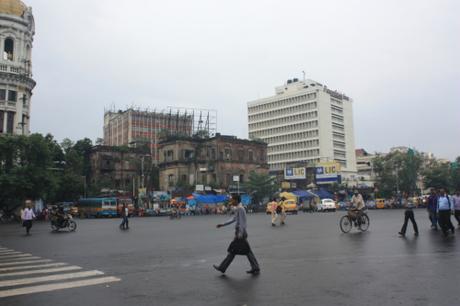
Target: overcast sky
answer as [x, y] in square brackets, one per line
[398, 60]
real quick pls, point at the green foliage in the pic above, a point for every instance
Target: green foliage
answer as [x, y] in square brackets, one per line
[397, 172]
[443, 175]
[260, 186]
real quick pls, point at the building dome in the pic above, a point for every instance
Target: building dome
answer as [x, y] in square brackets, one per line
[12, 7]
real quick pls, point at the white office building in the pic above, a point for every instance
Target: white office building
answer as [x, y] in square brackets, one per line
[304, 123]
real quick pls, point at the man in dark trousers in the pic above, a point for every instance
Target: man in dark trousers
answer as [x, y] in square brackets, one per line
[445, 209]
[409, 215]
[124, 214]
[240, 245]
[432, 208]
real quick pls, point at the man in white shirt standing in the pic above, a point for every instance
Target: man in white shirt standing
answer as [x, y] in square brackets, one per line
[28, 216]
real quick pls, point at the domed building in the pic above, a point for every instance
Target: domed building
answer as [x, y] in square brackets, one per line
[17, 31]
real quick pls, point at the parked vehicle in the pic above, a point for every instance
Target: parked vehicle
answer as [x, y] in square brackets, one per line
[370, 204]
[327, 205]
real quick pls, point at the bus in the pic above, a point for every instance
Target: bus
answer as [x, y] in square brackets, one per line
[97, 207]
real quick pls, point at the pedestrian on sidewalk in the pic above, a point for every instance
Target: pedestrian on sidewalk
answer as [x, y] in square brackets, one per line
[456, 202]
[28, 216]
[239, 245]
[445, 209]
[432, 209]
[409, 215]
[124, 215]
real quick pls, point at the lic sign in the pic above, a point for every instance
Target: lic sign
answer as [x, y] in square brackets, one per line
[294, 173]
[327, 173]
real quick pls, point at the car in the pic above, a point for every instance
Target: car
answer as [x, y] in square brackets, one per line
[370, 204]
[290, 206]
[327, 205]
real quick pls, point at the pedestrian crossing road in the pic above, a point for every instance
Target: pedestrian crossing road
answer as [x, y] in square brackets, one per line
[24, 273]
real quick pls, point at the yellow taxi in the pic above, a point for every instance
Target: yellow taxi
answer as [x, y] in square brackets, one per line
[290, 206]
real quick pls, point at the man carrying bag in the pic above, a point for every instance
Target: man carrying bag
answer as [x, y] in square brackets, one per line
[239, 245]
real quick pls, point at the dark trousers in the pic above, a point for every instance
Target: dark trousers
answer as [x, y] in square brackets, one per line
[444, 221]
[28, 225]
[228, 260]
[433, 218]
[457, 216]
[409, 215]
[124, 223]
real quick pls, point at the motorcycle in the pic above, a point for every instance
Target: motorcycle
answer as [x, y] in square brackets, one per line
[67, 222]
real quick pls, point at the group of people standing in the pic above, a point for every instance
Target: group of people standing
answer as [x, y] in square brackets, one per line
[440, 207]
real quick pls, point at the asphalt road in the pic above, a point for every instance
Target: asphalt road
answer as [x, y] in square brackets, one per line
[308, 261]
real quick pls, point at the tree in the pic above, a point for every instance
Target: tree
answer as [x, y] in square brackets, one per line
[397, 172]
[260, 186]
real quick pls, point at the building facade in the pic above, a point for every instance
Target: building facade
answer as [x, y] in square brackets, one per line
[364, 164]
[119, 168]
[304, 123]
[212, 161]
[136, 127]
[17, 29]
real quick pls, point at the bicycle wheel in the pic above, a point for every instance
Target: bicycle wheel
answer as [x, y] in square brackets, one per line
[364, 224]
[345, 224]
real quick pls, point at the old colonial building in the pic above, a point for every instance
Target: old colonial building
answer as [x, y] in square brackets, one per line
[216, 161]
[17, 29]
[119, 168]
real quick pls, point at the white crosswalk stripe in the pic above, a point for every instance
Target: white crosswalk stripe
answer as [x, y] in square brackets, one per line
[14, 263]
[23, 273]
[55, 264]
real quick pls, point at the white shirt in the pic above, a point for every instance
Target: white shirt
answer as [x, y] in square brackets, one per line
[28, 214]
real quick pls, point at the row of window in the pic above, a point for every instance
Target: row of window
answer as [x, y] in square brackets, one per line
[337, 118]
[284, 111]
[227, 154]
[8, 95]
[293, 155]
[284, 120]
[285, 129]
[336, 102]
[338, 136]
[339, 144]
[282, 166]
[294, 146]
[281, 103]
[292, 137]
[337, 127]
[336, 110]
[339, 154]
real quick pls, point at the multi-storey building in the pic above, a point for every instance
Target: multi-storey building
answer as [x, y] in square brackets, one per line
[304, 123]
[212, 161]
[17, 30]
[134, 127]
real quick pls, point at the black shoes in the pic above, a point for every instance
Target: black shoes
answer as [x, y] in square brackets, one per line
[253, 271]
[401, 234]
[416, 234]
[273, 224]
[218, 269]
[282, 223]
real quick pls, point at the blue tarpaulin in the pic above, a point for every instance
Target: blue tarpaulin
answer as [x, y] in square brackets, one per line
[209, 199]
[323, 194]
[304, 194]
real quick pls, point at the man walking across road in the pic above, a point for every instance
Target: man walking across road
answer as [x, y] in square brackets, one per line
[432, 209]
[456, 202]
[28, 216]
[124, 215]
[272, 205]
[239, 245]
[409, 215]
[444, 210]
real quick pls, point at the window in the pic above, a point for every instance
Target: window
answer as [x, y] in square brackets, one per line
[213, 153]
[2, 94]
[10, 122]
[251, 156]
[8, 49]
[228, 154]
[12, 95]
[2, 114]
[240, 154]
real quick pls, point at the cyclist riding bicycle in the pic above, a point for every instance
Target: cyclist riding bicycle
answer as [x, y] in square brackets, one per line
[357, 203]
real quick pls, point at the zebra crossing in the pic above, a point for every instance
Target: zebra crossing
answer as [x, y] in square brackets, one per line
[24, 273]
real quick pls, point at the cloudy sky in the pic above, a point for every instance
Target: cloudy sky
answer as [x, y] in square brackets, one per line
[398, 60]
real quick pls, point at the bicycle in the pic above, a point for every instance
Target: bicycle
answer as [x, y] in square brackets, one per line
[362, 222]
